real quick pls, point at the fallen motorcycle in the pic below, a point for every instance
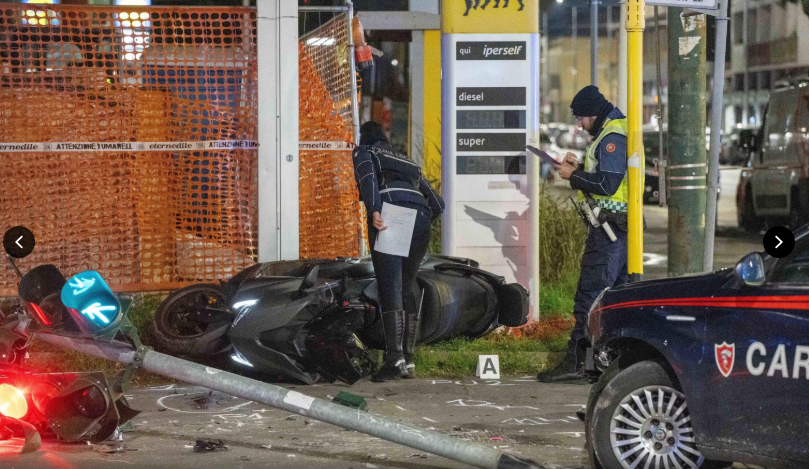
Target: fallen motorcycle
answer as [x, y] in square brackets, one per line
[312, 319]
[84, 315]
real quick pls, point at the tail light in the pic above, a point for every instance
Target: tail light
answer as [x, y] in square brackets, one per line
[38, 314]
[12, 402]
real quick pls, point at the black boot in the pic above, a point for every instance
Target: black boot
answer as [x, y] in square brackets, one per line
[394, 365]
[412, 322]
[569, 371]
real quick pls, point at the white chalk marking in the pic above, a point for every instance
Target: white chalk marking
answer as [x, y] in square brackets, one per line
[161, 402]
[474, 403]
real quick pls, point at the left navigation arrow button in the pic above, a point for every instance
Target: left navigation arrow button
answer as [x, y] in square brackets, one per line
[19, 242]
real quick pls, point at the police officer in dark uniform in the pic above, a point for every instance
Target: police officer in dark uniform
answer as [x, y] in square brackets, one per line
[601, 182]
[385, 176]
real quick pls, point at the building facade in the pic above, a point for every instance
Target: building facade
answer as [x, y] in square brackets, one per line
[776, 48]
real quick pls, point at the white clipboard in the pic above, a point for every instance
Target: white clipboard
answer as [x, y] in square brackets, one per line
[401, 222]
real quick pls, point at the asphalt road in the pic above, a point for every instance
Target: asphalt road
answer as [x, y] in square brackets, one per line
[516, 414]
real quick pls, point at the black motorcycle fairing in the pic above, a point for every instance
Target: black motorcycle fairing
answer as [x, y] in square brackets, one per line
[459, 305]
[270, 334]
[431, 260]
[353, 268]
[214, 341]
[231, 286]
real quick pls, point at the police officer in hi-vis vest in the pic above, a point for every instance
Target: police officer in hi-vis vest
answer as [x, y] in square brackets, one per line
[602, 184]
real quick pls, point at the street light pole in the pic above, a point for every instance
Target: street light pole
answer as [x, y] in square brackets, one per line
[716, 121]
[609, 74]
[745, 117]
[622, 67]
[545, 62]
[575, 50]
[635, 23]
[594, 42]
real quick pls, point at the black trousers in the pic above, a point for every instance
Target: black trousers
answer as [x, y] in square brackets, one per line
[603, 265]
[396, 275]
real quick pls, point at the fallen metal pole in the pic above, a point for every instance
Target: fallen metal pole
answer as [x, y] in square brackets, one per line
[193, 373]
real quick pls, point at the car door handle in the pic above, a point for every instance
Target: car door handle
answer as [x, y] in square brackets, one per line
[680, 318]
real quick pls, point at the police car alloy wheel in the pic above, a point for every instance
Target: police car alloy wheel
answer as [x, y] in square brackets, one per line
[651, 427]
[638, 419]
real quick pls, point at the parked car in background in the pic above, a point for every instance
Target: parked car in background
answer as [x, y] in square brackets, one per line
[774, 185]
[738, 146]
[555, 129]
[549, 146]
[651, 149]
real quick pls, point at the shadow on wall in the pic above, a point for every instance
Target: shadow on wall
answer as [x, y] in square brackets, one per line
[510, 231]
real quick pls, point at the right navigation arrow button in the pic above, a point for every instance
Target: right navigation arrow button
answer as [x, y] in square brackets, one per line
[779, 241]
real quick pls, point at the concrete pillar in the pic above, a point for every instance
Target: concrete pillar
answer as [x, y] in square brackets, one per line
[425, 94]
[277, 40]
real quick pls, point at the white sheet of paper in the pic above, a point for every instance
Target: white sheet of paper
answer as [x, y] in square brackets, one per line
[396, 239]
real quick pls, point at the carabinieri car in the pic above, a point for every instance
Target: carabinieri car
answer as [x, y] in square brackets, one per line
[694, 371]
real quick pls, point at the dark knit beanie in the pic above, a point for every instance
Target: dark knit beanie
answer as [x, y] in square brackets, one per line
[372, 132]
[588, 102]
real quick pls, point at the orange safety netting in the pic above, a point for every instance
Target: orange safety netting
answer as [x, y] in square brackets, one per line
[144, 220]
[329, 208]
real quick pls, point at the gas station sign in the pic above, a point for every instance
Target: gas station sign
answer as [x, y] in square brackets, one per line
[490, 112]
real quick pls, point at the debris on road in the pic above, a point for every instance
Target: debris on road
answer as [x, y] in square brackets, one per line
[350, 400]
[204, 446]
[108, 449]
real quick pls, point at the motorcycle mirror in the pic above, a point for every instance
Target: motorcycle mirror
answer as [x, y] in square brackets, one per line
[311, 278]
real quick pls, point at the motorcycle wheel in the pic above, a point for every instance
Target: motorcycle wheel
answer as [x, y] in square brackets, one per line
[174, 329]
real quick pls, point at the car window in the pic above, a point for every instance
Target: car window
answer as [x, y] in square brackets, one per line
[792, 270]
[773, 145]
[789, 130]
[802, 124]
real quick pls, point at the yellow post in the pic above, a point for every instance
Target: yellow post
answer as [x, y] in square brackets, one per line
[635, 22]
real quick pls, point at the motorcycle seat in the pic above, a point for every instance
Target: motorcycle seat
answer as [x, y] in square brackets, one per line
[352, 268]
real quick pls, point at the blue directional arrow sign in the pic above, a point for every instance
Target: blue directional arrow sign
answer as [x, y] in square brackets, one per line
[92, 304]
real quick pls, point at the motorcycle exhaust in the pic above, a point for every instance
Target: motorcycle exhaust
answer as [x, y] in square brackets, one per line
[193, 373]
